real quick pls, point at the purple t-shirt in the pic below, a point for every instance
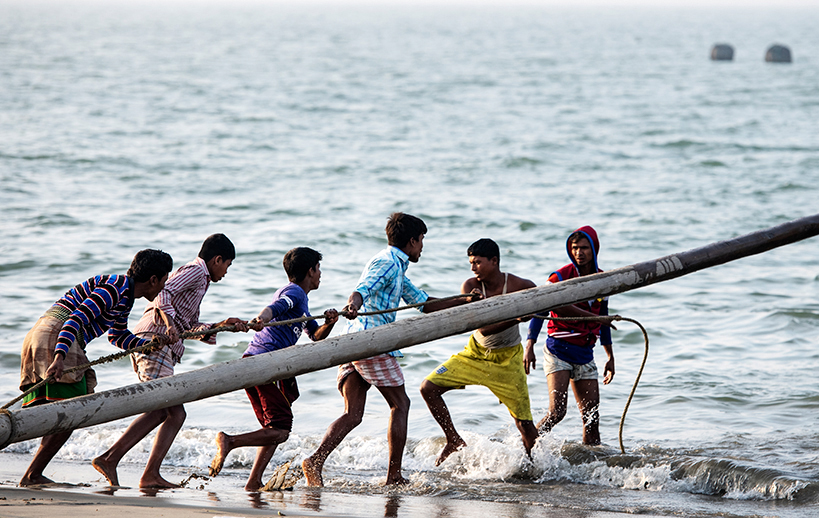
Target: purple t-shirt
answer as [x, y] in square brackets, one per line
[288, 303]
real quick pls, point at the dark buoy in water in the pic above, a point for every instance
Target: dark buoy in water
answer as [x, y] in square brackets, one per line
[778, 54]
[722, 52]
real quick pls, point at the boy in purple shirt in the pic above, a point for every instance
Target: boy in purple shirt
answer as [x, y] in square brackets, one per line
[272, 402]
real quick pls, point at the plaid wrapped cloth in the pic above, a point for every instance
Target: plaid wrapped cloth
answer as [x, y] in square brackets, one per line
[38, 352]
[154, 365]
[381, 371]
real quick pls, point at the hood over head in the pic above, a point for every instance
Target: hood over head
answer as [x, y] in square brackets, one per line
[591, 235]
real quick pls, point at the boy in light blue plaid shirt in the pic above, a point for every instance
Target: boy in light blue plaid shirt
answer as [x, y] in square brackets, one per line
[382, 285]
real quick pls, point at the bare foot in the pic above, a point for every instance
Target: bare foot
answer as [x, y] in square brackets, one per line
[449, 449]
[222, 449]
[398, 481]
[34, 481]
[312, 473]
[253, 486]
[156, 482]
[108, 470]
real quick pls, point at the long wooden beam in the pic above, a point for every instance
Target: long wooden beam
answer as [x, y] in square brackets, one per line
[23, 424]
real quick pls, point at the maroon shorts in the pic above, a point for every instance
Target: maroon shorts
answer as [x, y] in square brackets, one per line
[272, 402]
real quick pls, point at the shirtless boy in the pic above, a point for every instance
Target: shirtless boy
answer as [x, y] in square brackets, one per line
[493, 357]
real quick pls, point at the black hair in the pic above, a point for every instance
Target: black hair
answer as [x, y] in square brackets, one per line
[217, 244]
[148, 263]
[484, 247]
[403, 227]
[577, 236]
[298, 261]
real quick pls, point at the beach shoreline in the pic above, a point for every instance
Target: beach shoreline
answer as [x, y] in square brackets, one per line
[85, 493]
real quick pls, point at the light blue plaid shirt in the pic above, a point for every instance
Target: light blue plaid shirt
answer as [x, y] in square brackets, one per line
[382, 285]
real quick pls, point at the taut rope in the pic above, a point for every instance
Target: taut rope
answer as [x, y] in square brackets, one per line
[608, 320]
[201, 334]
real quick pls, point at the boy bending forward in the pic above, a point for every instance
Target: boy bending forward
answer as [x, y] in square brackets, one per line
[272, 402]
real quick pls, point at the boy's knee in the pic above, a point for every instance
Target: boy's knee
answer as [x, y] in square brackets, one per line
[557, 414]
[428, 390]
[177, 413]
[402, 404]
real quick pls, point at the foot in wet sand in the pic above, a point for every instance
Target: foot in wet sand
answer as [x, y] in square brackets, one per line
[108, 470]
[399, 481]
[312, 473]
[449, 449]
[39, 480]
[156, 482]
[222, 449]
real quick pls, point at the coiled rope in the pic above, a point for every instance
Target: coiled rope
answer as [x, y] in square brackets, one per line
[608, 319]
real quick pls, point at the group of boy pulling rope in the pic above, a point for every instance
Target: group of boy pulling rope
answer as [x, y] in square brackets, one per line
[155, 344]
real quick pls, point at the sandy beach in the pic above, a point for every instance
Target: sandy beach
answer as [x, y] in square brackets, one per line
[87, 495]
[33, 503]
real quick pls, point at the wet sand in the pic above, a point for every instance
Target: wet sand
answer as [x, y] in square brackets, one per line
[85, 493]
[39, 503]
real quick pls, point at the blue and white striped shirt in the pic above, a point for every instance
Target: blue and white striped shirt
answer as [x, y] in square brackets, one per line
[383, 284]
[100, 304]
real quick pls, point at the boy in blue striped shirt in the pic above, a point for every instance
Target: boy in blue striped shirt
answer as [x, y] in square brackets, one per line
[57, 341]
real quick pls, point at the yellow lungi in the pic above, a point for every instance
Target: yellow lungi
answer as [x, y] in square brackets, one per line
[499, 370]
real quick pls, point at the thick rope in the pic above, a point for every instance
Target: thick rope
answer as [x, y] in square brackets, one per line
[608, 320]
[342, 313]
[202, 334]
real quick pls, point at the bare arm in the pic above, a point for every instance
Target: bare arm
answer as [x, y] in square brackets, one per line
[330, 319]
[445, 304]
[608, 372]
[529, 356]
[354, 303]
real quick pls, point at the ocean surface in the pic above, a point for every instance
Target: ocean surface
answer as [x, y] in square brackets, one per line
[130, 126]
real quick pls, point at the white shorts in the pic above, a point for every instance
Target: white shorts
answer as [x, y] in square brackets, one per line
[585, 371]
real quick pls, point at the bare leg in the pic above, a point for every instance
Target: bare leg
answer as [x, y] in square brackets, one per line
[49, 446]
[528, 433]
[432, 394]
[354, 389]
[263, 456]
[175, 418]
[139, 429]
[587, 394]
[399, 412]
[558, 383]
[265, 438]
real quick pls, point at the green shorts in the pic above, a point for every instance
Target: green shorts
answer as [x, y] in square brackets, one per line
[51, 392]
[501, 371]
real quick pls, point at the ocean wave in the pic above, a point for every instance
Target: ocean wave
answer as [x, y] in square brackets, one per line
[361, 462]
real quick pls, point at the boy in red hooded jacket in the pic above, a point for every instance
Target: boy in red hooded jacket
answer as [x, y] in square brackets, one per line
[568, 353]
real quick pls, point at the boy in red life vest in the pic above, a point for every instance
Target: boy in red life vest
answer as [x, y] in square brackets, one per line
[568, 353]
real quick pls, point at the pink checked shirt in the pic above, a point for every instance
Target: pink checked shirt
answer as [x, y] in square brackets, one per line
[179, 300]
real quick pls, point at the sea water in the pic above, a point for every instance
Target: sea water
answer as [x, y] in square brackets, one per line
[130, 126]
